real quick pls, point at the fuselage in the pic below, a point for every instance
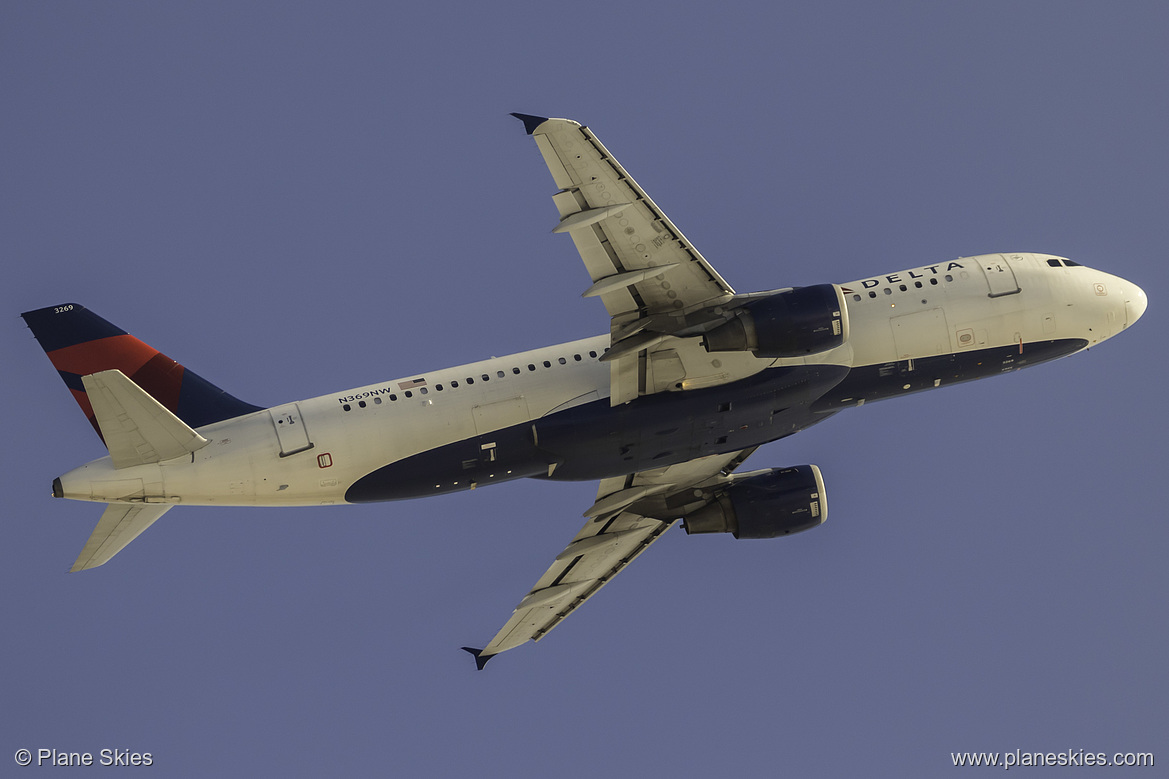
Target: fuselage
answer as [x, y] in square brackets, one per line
[546, 412]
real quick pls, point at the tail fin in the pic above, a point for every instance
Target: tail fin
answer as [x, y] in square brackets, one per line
[79, 342]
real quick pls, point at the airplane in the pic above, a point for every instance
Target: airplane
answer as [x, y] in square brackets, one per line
[662, 410]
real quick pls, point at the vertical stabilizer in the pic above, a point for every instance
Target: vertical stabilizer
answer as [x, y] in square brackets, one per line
[78, 342]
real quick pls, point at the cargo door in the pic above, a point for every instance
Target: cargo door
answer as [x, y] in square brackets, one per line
[490, 417]
[923, 334]
[290, 430]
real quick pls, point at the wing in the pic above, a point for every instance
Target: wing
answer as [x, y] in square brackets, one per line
[650, 278]
[631, 512]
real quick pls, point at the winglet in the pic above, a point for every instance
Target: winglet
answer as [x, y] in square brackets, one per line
[480, 658]
[530, 122]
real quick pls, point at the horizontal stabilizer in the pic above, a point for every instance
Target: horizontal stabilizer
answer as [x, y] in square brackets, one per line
[119, 525]
[137, 428]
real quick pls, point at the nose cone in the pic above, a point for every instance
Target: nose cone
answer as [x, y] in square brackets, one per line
[1135, 303]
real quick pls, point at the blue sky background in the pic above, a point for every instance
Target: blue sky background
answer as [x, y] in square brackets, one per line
[295, 198]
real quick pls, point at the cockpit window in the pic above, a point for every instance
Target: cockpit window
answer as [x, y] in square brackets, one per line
[1071, 264]
[1053, 263]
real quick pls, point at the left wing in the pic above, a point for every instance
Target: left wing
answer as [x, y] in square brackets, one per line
[631, 512]
[654, 283]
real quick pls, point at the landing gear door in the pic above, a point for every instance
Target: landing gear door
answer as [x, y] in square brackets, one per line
[999, 276]
[290, 430]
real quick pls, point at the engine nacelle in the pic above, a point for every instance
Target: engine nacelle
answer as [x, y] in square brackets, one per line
[800, 321]
[777, 503]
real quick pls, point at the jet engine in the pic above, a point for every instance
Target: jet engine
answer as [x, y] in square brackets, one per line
[800, 321]
[774, 503]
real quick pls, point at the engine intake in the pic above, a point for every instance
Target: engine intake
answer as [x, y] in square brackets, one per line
[800, 321]
[777, 503]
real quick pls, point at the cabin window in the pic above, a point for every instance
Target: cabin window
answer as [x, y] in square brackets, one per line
[563, 361]
[377, 401]
[531, 366]
[516, 371]
[576, 357]
[888, 291]
[485, 377]
[903, 288]
[346, 407]
[547, 364]
[455, 384]
[469, 380]
[949, 277]
[424, 390]
[393, 398]
[872, 294]
[409, 394]
[934, 282]
[593, 355]
[499, 374]
[856, 297]
[361, 404]
[438, 387]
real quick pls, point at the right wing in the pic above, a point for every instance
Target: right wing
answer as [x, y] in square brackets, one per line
[620, 528]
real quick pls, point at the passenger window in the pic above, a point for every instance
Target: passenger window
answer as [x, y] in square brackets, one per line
[409, 394]
[576, 357]
[438, 387]
[470, 380]
[454, 384]
[592, 354]
[547, 364]
[949, 277]
[856, 297]
[531, 366]
[499, 374]
[563, 361]
[486, 377]
[516, 371]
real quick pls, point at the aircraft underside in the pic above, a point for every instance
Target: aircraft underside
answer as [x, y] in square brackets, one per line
[597, 441]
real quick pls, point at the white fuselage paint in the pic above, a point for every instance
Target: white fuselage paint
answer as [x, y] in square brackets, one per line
[243, 464]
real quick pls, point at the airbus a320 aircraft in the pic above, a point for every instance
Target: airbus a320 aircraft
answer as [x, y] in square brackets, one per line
[662, 410]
